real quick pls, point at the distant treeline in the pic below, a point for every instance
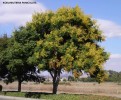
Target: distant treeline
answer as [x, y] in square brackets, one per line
[113, 77]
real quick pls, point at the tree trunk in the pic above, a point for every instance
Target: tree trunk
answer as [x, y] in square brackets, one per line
[56, 78]
[19, 85]
[55, 86]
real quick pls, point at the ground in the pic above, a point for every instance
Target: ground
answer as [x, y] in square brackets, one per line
[107, 89]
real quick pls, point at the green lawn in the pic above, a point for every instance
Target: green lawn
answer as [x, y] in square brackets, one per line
[58, 97]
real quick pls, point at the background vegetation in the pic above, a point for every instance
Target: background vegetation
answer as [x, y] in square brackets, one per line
[113, 77]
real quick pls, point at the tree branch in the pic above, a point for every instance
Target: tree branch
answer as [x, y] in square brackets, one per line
[51, 74]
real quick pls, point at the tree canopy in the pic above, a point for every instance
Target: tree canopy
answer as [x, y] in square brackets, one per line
[24, 42]
[17, 57]
[69, 41]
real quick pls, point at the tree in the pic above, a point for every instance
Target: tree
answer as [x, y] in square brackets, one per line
[70, 78]
[21, 64]
[69, 41]
[4, 42]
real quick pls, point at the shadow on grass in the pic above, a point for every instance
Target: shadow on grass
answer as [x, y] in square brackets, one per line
[35, 94]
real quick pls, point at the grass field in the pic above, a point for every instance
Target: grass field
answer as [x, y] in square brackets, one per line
[103, 89]
[59, 96]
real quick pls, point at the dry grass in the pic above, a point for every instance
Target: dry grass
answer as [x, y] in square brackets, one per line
[110, 89]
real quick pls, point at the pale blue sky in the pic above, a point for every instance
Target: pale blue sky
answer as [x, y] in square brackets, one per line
[106, 12]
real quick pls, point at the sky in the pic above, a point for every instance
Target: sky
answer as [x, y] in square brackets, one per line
[106, 12]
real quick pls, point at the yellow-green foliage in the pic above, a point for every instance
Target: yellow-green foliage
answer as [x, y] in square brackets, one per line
[69, 40]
